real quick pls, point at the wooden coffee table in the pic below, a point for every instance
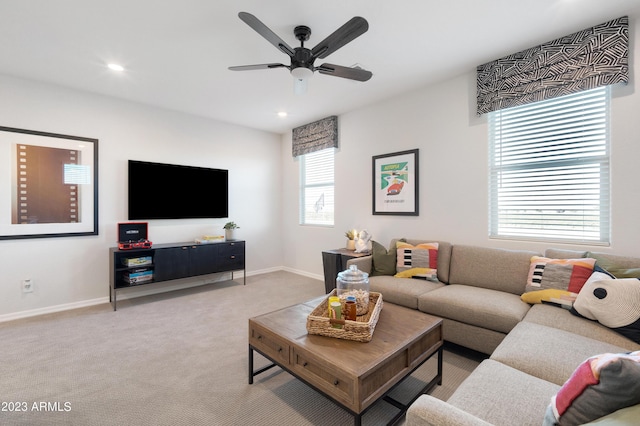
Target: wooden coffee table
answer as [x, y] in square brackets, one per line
[353, 374]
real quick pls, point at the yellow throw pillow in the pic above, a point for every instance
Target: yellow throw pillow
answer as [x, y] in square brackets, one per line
[423, 273]
[554, 296]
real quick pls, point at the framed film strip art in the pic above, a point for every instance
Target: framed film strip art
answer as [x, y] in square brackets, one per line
[48, 184]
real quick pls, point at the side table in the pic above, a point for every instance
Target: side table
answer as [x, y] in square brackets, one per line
[334, 261]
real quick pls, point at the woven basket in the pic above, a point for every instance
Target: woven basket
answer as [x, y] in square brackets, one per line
[361, 330]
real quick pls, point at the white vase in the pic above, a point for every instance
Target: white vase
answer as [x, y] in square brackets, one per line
[228, 234]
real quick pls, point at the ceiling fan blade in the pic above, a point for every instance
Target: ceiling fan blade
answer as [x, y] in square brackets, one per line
[345, 72]
[257, 67]
[265, 32]
[354, 28]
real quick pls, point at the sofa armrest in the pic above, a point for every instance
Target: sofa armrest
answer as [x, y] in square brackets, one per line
[364, 263]
[430, 411]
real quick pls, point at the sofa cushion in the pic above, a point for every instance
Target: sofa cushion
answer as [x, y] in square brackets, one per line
[471, 336]
[490, 309]
[491, 268]
[428, 410]
[614, 303]
[402, 291]
[624, 417]
[563, 320]
[501, 395]
[364, 263]
[620, 266]
[561, 274]
[555, 253]
[599, 386]
[548, 353]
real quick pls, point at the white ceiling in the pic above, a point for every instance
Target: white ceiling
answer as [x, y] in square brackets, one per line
[176, 52]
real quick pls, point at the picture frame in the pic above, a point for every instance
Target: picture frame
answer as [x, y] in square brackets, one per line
[396, 183]
[48, 184]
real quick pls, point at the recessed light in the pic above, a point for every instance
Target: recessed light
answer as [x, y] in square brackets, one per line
[282, 114]
[115, 67]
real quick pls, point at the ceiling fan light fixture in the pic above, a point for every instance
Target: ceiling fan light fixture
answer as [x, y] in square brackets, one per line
[300, 86]
[301, 73]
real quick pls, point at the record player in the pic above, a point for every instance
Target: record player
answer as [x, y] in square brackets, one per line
[133, 235]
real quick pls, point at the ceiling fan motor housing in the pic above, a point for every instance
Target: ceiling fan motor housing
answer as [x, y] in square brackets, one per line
[302, 59]
[302, 63]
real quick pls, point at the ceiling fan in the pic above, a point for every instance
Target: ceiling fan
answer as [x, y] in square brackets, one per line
[302, 59]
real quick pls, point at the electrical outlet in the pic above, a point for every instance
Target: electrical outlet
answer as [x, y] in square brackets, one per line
[27, 286]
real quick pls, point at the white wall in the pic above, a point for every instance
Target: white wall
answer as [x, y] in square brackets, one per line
[72, 271]
[440, 120]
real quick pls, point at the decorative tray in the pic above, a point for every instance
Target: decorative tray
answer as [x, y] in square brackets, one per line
[361, 330]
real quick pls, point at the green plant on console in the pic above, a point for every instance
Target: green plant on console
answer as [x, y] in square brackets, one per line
[230, 225]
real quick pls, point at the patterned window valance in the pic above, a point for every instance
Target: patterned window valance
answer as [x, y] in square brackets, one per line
[315, 136]
[590, 58]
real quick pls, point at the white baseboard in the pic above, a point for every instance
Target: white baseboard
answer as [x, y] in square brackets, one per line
[303, 273]
[147, 291]
[53, 309]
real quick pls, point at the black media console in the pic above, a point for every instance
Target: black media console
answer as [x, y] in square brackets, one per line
[164, 262]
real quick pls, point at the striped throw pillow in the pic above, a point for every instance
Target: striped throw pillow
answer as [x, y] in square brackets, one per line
[424, 255]
[561, 274]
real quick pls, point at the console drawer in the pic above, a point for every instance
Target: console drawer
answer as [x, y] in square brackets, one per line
[231, 248]
[270, 345]
[232, 262]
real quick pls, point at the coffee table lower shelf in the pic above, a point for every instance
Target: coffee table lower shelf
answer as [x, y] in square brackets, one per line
[357, 417]
[354, 375]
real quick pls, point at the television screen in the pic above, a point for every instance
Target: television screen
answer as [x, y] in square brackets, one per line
[169, 191]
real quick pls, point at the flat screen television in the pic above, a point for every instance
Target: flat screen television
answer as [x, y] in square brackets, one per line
[170, 191]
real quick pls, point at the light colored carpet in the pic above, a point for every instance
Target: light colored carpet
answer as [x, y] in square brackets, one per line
[177, 358]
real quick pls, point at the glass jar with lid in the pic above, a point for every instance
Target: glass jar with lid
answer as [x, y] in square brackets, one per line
[354, 282]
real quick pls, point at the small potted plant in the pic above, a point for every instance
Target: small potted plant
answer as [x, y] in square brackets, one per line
[351, 235]
[229, 227]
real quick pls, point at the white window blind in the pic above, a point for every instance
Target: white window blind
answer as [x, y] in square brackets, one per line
[549, 170]
[317, 188]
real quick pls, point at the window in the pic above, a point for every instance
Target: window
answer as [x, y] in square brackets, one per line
[316, 188]
[549, 170]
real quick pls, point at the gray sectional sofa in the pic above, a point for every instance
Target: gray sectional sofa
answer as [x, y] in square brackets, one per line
[533, 349]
